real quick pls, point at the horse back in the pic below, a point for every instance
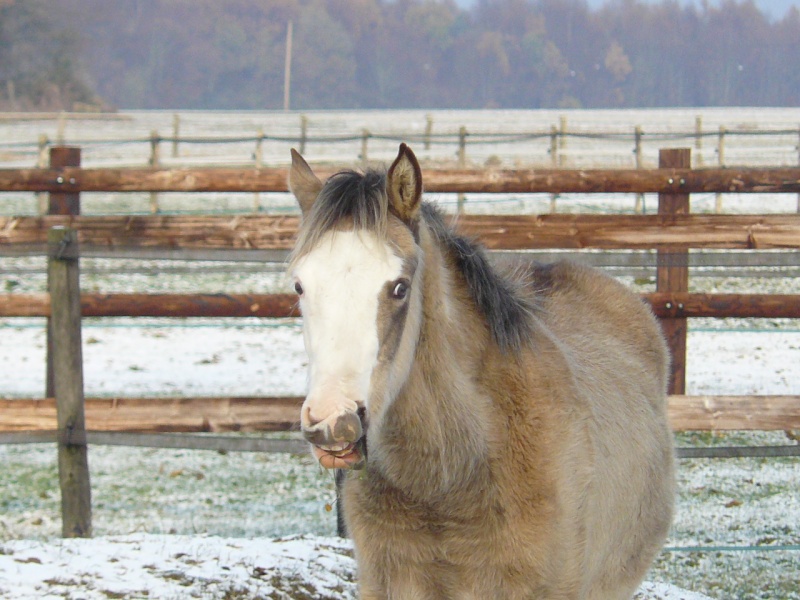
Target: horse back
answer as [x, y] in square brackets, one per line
[603, 327]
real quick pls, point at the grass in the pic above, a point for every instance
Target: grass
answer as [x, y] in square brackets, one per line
[735, 503]
[255, 495]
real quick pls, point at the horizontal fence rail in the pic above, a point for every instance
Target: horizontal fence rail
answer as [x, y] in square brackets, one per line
[489, 181]
[559, 144]
[160, 414]
[280, 306]
[496, 232]
[249, 414]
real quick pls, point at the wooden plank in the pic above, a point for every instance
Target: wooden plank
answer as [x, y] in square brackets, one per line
[159, 305]
[25, 305]
[191, 305]
[664, 304]
[517, 232]
[496, 232]
[768, 306]
[73, 466]
[160, 414]
[484, 181]
[677, 305]
[151, 415]
[719, 413]
[245, 232]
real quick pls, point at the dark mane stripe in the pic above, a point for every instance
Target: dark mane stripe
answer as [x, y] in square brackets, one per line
[507, 310]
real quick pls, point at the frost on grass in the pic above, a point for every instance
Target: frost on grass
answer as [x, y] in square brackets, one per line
[164, 567]
[170, 491]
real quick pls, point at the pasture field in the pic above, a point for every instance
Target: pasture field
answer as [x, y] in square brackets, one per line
[593, 138]
[729, 506]
[736, 533]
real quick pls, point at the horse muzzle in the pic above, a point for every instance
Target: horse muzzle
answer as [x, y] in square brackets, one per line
[338, 441]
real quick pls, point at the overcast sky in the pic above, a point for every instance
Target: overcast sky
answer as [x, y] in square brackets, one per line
[774, 8]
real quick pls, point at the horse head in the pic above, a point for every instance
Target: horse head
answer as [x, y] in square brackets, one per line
[356, 270]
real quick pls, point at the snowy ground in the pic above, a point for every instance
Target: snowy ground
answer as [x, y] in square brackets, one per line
[166, 567]
[203, 359]
[179, 524]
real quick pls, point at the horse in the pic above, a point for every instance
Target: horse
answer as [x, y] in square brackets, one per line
[518, 445]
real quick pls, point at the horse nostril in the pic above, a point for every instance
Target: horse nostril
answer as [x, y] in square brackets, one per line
[306, 420]
[347, 428]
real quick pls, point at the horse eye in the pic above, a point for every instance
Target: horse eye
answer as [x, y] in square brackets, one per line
[298, 288]
[400, 290]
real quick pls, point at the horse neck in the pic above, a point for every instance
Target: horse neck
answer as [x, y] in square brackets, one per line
[435, 436]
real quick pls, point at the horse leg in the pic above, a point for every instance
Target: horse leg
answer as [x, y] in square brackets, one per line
[409, 582]
[395, 591]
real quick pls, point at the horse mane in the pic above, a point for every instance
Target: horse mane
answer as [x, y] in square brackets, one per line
[508, 310]
[360, 200]
[348, 196]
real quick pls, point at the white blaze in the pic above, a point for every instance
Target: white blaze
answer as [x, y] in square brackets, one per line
[343, 278]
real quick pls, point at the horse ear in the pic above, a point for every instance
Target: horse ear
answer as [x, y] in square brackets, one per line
[404, 185]
[303, 183]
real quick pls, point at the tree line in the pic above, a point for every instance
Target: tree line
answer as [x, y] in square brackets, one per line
[206, 54]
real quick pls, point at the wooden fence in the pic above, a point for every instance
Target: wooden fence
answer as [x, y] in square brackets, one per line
[671, 232]
[64, 415]
[552, 142]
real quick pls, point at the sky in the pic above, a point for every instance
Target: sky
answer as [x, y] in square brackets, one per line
[776, 9]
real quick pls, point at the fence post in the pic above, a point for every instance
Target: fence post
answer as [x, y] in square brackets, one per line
[41, 162]
[637, 153]
[259, 162]
[428, 130]
[462, 161]
[303, 133]
[60, 203]
[61, 128]
[65, 301]
[553, 161]
[155, 161]
[364, 141]
[721, 161]
[672, 273]
[176, 130]
[64, 203]
[562, 133]
[698, 140]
